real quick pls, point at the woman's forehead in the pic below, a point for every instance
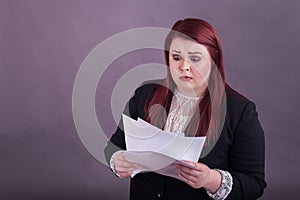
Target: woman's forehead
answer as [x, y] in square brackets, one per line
[181, 45]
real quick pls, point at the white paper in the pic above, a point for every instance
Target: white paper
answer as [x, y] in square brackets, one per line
[157, 150]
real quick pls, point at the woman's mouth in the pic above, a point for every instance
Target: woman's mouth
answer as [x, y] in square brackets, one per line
[185, 78]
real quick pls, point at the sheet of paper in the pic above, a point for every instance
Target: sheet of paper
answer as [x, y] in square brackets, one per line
[153, 161]
[157, 150]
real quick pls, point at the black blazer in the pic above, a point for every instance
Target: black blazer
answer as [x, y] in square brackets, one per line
[240, 150]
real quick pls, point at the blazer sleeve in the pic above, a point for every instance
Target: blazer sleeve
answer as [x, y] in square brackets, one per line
[117, 141]
[247, 156]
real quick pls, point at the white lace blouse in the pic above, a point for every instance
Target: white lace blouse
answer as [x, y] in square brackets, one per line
[181, 111]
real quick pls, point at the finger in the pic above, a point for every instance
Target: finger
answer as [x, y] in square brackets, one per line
[126, 164]
[196, 165]
[189, 182]
[124, 174]
[124, 170]
[190, 178]
[189, 162]
[189, 171]
[121, 156]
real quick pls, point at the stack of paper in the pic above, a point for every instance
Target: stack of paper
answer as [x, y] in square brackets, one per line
[157, 150]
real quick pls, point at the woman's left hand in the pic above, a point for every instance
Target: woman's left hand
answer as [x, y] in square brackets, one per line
[200, 176]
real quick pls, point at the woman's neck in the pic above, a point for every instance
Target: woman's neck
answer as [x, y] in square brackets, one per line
[191, 94]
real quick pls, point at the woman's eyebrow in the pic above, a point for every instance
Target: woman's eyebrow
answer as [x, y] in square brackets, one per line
[197, 52]
[175, 51]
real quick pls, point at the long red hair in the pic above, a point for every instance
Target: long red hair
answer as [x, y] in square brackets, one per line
[203, 33]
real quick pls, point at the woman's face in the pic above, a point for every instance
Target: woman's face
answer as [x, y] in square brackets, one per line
[190, 66]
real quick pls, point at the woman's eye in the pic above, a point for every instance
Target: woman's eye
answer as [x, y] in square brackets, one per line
[195, 58]
[176, 57]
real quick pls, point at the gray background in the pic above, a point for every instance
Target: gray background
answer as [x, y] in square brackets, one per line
[42, 44]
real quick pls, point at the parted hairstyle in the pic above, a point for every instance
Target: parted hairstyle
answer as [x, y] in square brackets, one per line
[202, 32]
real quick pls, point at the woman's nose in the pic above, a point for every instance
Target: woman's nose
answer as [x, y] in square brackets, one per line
[185, 65]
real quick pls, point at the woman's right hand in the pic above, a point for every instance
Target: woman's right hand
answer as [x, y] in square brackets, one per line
[122, 166]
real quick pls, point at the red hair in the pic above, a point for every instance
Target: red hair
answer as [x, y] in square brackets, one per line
[203, 33]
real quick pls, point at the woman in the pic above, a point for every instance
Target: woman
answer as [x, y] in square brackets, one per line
[195, 100]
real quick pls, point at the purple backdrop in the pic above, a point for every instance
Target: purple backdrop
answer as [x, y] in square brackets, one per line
[42, 44]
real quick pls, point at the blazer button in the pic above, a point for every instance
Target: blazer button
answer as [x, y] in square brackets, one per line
[159, 195]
